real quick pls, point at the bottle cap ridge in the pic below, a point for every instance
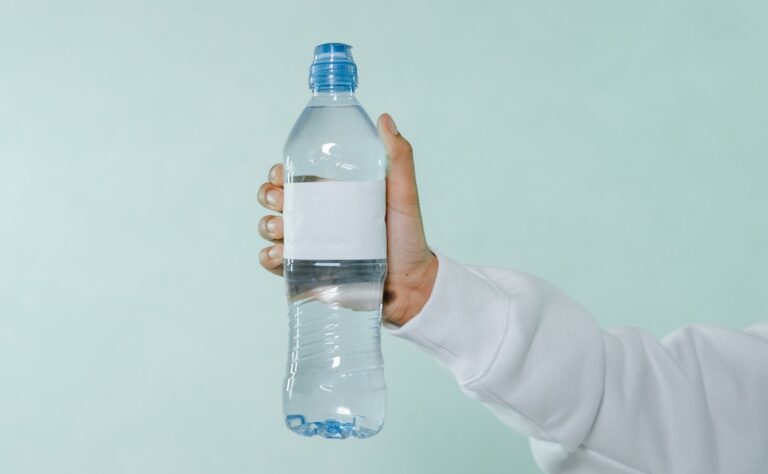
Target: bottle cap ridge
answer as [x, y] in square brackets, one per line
[333, 68]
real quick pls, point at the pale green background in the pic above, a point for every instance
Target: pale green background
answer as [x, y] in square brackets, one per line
[617, 149]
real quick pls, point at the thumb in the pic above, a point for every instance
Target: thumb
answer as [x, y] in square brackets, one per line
[402, 194]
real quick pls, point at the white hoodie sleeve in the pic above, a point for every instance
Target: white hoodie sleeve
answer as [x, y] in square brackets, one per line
[595, 401]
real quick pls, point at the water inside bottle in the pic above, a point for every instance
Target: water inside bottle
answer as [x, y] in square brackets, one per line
[334, 386]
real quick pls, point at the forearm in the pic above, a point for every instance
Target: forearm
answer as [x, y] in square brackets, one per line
[509, 338]
[590, 398]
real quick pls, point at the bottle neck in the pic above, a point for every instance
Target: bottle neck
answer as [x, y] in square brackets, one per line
[333, 98]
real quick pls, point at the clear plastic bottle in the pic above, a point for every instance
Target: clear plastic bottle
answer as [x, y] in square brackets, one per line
[334, 258]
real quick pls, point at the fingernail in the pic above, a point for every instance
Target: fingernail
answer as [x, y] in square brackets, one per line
[273, 252]
[272, 174]
[392, 126]
[271, 225]
[271, 197]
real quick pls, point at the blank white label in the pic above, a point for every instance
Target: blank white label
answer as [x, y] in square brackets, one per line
[335, 220]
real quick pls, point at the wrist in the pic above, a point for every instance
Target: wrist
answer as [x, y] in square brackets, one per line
[417, 288]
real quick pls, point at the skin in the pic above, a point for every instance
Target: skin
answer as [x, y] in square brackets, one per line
[412, 267]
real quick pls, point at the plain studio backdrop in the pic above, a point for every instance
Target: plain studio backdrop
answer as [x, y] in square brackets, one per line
[618, 150]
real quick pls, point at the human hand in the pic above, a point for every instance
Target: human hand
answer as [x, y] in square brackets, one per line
[411, 266]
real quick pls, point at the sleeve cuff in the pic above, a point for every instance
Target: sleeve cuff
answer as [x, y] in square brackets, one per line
[463, 322]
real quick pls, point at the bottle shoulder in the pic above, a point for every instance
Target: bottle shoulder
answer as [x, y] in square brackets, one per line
[336, 142]
[320, 121]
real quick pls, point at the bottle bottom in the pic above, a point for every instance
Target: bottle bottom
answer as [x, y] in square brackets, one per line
[329, 428]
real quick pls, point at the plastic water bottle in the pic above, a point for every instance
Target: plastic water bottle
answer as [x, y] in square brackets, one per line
[335, 258]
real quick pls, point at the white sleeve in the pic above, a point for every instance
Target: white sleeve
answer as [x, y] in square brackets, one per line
[594, 401]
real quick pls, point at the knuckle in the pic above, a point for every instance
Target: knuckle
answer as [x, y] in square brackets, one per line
[262, 192]
[263, 230]
[402, 150]
[276, 175]
[273, 171]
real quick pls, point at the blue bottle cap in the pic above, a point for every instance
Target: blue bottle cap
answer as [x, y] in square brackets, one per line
[333, 68]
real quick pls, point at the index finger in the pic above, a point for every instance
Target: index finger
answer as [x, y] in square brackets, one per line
[276, 175]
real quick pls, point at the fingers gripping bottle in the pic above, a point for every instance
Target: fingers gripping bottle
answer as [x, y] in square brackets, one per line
[335, 258]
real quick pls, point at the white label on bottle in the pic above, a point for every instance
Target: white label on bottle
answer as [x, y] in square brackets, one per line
[334, 220]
